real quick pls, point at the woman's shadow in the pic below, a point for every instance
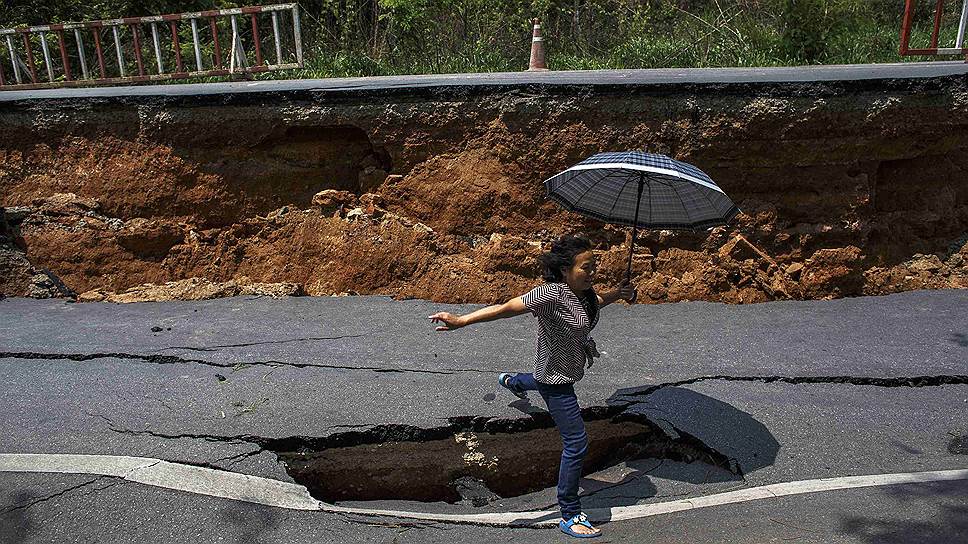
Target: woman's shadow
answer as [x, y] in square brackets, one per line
[696, 421]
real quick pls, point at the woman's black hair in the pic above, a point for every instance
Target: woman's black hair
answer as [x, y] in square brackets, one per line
[562, 255]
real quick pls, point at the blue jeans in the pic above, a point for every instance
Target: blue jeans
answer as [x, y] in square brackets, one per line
[563, 405]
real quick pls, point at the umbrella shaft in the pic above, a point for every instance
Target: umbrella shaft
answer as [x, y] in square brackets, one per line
[628, 272]
[635, 224]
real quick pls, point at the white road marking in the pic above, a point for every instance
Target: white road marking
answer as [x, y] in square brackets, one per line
[242, 487]
[201, 480]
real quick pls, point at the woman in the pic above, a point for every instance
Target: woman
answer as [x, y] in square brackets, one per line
[567, 307]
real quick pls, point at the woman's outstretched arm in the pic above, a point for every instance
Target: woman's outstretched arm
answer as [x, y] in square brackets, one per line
[624, 292]
[511, 308]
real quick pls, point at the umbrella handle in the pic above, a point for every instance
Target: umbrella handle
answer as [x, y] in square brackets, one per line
[635, 292]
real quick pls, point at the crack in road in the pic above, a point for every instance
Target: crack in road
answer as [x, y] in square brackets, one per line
[172, 359]
[615, 439]
[660, 443]
[898, 381]
[263, 443]
[307, 339]
[348, 518]
[54, 496]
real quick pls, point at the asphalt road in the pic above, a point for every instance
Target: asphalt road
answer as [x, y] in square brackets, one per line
[788, 390]
[594, 78]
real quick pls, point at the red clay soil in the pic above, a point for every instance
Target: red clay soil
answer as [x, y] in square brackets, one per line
[440, 197]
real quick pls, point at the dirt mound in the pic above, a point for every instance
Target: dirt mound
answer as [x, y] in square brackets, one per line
[440, 197]
[19, 277]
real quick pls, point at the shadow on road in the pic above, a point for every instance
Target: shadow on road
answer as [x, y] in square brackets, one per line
[947, 524]
[254, 521]
[711, 422]
[16, 524]
[690, 418]
[693, 418]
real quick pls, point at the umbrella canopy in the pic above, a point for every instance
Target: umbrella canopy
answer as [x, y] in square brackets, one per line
[642, 190]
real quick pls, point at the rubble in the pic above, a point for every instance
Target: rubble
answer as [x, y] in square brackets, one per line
[192, 289]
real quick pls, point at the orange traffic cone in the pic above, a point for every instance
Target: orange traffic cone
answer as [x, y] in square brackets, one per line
[537, 63]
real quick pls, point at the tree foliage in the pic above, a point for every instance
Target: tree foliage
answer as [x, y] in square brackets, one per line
[368, 37]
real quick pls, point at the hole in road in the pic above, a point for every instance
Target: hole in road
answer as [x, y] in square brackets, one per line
[474, 460]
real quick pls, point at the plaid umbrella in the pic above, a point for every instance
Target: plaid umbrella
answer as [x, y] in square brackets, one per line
[643, 190]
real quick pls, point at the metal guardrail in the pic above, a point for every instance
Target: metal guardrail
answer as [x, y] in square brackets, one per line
[169, 63]
[958, 49]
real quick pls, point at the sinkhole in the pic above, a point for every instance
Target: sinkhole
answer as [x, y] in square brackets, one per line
[475, 460]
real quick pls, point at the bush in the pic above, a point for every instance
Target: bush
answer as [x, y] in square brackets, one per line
[377, 37]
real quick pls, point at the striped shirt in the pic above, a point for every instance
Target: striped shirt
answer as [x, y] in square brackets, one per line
[563, 332]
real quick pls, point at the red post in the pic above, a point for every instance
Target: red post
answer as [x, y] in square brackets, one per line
[63, 52]
[137, 49]
[937, 24]
[906, 25]
[537, 63]
[174, 37]
[218, 50]
[255, 38]
[30, 59]
[100, 54]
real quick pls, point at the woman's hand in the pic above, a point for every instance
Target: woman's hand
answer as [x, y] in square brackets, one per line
[450, 321]
[627, 292]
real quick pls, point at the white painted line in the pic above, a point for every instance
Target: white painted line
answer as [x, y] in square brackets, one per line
[181, 477]
[242, 487]
[785, 489]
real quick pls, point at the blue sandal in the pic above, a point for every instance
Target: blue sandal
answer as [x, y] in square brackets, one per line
[580, 519]
[503, 380]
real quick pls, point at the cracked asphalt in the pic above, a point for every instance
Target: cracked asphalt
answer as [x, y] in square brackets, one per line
[789, 390]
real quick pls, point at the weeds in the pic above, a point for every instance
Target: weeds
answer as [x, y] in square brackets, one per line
[350, 38]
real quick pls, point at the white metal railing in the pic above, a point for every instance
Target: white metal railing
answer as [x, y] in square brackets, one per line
[245, 44]
[958, 49]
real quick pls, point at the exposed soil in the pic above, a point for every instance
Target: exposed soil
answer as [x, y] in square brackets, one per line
[476, 462]
[438, 194]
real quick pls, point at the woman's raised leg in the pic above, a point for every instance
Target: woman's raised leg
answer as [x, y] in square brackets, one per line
[522, 382]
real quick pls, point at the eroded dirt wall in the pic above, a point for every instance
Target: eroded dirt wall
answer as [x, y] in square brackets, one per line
[846, 188]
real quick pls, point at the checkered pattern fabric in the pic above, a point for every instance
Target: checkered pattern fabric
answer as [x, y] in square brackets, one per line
[675, 195]
[563, 332]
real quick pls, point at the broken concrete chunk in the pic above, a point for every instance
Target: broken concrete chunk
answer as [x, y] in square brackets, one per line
[65, 203]
[372, 204]
[193, 289]
[333, 200]
[44, 284]
[94, 295]
[794, 269]
[420, 227]
[283, 289]
[474, 491]
[354, 214]
[925, 263]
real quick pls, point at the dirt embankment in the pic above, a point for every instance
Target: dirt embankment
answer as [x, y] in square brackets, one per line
[846, 189]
